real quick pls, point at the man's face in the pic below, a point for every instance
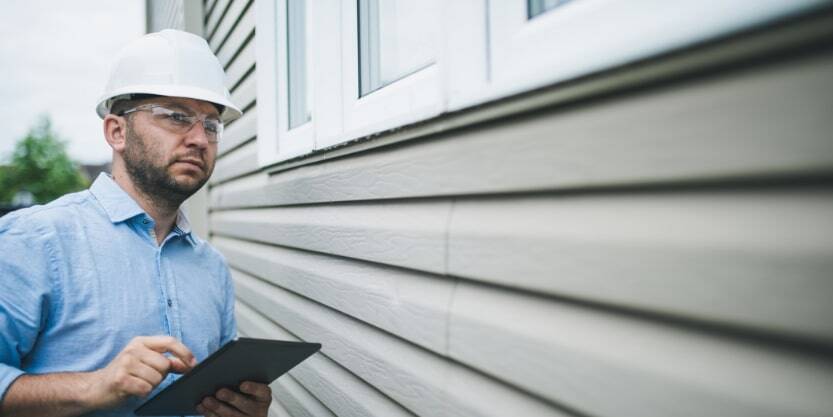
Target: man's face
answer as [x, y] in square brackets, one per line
[165, 164]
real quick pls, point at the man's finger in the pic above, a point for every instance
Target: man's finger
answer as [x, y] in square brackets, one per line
[261, 392]
[164, 344]
[147, 374]
[153, 359]
[220, 408]
[204, 411]
[138, 386]
[242, 402]
[177, 365]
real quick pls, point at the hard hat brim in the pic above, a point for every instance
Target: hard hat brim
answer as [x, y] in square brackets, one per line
[230, 111]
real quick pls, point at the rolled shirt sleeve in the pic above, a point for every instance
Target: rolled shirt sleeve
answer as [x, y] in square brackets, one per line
[25, 292]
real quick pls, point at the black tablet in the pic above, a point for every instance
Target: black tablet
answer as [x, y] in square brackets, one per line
[244, 359]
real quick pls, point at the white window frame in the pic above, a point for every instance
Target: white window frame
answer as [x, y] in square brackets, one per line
[324, 51]
[466, 55]
[276, 141]
[412, 98]
[488, 49]
[586, 36]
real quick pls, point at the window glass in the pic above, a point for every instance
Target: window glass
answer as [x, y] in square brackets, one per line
[536, 7]
[296, 58]
[396, 39]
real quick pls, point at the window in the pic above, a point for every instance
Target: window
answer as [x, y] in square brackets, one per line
[284, 83]
[536, 7]
[372, 65]
[392, 42]
[296, 47]
[538, 42]
[390, 65]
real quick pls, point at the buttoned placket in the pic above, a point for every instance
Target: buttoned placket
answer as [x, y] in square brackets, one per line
[165, 279]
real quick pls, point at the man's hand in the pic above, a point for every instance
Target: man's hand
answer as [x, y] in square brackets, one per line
[137, 370]
[253, 400]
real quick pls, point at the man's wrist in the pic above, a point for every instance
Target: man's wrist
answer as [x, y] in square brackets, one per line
[89, 397]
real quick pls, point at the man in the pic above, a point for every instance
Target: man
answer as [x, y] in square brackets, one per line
[105, 294]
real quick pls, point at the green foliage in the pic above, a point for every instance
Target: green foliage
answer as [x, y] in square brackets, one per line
[41, 166]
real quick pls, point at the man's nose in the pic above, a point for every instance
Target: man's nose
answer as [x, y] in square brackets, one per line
[197, 136]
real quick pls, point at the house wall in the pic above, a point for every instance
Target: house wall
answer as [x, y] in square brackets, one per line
[164, 14]
[650, 241]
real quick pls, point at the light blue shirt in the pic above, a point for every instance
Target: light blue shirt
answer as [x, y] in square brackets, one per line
[83, 275]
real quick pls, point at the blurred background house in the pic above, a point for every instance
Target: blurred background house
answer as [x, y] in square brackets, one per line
[529, 208]
[91, 171]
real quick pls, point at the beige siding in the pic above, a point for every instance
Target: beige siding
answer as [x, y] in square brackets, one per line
[411, 305]
[333, 383]
[244, 129]
[754, 259]
[216, 12]
[663, 251]
[238, 162]
[410, 235]
[168, 14]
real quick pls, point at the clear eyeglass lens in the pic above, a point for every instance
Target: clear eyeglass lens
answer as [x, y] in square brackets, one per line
[179, 122]
[213, 125]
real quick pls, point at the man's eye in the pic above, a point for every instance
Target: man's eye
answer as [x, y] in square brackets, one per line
[212, 127]
[179, 118]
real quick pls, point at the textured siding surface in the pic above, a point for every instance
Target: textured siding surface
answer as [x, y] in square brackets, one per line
[165, 14]
[666, 251]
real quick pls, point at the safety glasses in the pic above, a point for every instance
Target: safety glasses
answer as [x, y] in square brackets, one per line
[179, 122]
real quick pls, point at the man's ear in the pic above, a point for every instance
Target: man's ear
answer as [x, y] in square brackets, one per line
[115, 132]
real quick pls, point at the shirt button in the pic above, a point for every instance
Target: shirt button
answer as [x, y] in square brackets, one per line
[170, 303]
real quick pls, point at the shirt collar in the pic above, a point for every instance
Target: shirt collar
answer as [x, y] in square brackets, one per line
[115, 201]
[184, 227]
[119, 206]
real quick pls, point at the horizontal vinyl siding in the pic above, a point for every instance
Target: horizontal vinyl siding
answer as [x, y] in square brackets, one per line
[240, 161]
[619, 365]
[216, 12]
[333, 383]
[408, 304]
[420, 380]
[165, 15]
[756, 259]
[658, 253]
[243, 130]
[410, 235]
[237, 151]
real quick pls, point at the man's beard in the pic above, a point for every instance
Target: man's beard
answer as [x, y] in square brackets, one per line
[154, 181]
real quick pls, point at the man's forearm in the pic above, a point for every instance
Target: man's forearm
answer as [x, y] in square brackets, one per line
[135, 371]
[59, 394]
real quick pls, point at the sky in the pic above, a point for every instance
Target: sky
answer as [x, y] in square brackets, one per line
[54, 59]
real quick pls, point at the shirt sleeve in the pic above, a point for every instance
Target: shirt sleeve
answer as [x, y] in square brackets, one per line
[229, 331]
[24, 295]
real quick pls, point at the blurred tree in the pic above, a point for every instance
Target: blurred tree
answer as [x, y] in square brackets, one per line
[40, 166]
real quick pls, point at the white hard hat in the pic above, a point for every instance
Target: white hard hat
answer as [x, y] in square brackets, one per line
[168, 63]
